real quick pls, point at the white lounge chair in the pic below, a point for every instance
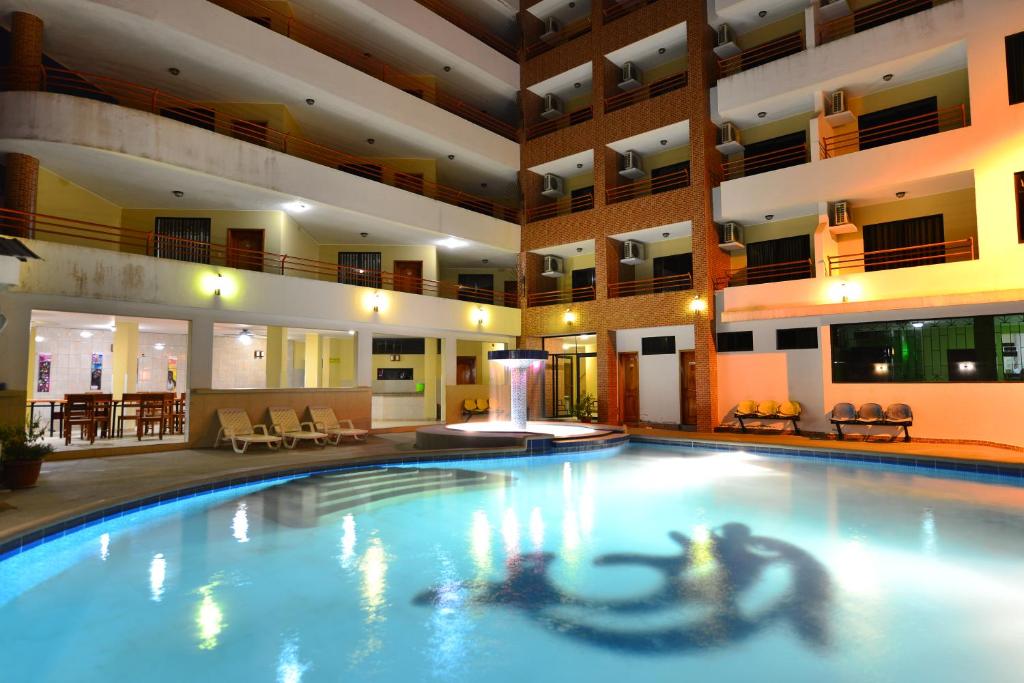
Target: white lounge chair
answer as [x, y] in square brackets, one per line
[286, 425]
[236, 428]
[325, 420]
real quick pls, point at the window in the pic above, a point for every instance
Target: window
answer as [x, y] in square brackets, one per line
[583, 284]
[785, 258]
[1015, 67]
[796, 338]
[359, 268]
[476, 287]
[881, 238]
[655, 346]
[1018, 181]
[399, 346]
[183, 239]
[735, 341]
[673, 265]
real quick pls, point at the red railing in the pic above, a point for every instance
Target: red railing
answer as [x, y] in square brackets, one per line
[583, 202]
[789, 44]
[766, 161]
[871, 16]
[92, 86]
[142, 242]
[770, 272]
[567, 33]
[658, 87]
[342, 51]
[614, 9]
[566, 120]
[561, 296]
[642, 188]
[895, 131]
[471, 26]
[654, 285]
[905, 257]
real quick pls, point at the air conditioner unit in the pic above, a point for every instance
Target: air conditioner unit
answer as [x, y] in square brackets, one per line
[838, 114]
[729, 139]
[552, 107]
[725, 42]
[730, 236]
[553, 266]
[554, 186]
[631, 77]
[552, 27]
[632, 165]
[839, 219]
[833, 9]
[633, 253]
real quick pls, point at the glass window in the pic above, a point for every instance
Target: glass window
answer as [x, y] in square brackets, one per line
[1018, 181]
[1015, 67]
[735, 341]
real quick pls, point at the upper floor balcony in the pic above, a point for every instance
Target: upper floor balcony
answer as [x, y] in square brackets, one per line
[648, 68]
[616, 9]
[548, 24]
[559, 102]
[647, 164]
[561, 274]
[839, 19]
[651, 261]
[560, 187]
[504, 44]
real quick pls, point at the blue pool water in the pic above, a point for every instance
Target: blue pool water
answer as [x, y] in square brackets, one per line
[643, 564]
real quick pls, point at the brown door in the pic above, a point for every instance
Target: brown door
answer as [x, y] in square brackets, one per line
[245, 249]
[629, 373]
[465, 370]
[687, 388]
[409, 276]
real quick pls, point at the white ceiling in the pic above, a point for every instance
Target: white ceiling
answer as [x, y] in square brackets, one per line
[567, 167]
[585, 247]
[644, 53]
[564, 84]
[498, 15]
[260, 331]
[655, 234]
[742, 15]
[561, 10]
[675, 135]
[90, 321]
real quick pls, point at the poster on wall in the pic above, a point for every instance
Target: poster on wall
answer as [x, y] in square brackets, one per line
[96, 372]
[172, 373]
[43, 378]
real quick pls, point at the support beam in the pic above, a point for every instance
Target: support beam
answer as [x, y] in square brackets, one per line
[277, 357]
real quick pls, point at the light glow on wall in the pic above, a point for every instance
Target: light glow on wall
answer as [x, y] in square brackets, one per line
[479, 316]
[218, 284]
[375, 301]
[569, 317]
[698, 305]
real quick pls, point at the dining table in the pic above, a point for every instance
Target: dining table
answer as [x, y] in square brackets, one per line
[44, 402]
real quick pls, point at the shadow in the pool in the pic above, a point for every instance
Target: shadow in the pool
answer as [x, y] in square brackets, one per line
[710, 574]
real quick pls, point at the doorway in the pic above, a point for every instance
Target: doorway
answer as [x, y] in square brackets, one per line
[245, 249]
[409, 276]
[465, 369]
[687, 388]
[629, 381]
[570, 373]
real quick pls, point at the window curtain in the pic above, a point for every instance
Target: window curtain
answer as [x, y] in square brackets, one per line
[359, 268]
[183, 239]
[784, 250]
[1015, 67]
[912, 232]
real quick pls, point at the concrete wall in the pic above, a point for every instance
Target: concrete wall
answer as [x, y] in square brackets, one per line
[659, 374]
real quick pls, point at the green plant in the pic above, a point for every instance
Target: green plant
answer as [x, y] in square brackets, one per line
[24, 445]
[584, 406]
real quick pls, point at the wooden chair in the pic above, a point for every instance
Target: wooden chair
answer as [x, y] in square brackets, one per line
[103, 410]
[79, 410]
[176, 417]
[152, 415]
[132, 402]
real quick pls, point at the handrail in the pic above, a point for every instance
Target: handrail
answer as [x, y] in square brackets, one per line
[134, 96]
[759, 163]
[906, 257]
[561, 296]
[564, 121]
[338, 49]
[471, 26]
[876, 15]
[646, 186]
[582, 202]
[789, 44]
[654, 285]
[895, 131]
[769, 272]
[614, 9]
[146, 243]
[650, 91]
[567, 33]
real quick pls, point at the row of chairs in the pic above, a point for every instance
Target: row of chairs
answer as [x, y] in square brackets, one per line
[788, 411]
[475, 406]
[96, 415]
[322, 428]
[895, 415]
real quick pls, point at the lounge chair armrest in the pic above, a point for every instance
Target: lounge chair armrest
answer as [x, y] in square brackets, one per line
[308, 426]
[347, 422]
[319, 426]
[263, 429]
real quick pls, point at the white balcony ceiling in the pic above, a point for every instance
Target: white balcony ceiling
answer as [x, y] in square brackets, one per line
[656, 234]
[742, 15]
[565, 12]
[644, 53]
[674, 135]
[564, 84]
[567, 167]
[582, 248]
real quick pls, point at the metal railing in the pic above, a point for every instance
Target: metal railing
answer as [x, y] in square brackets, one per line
[905, 257]
[357, 58]
[871, 16]
[659, 87]
[565, 121]
[764, 162]
[471, 26]
[895, 131]
[615, 9]
[143, 98]
[563, 207]
[567, 33]
[769, 272]
[646, 186]
[654, 285]
[561, 296]
[146, 243]
[789, 44]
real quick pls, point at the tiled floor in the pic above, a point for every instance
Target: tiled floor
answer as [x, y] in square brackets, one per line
[122, 442]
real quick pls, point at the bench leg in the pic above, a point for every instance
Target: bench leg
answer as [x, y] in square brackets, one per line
[796, 427]
[839, 431]
[743, 427]
[906, 432]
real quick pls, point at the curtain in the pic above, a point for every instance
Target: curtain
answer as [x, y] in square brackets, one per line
[912, 232]
[783, 250]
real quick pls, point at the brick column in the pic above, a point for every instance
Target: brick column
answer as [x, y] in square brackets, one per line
[608, 410]
[26, 52]
[20, 187]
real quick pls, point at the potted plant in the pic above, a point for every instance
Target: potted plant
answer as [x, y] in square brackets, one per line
[23, 452]
[584, 407]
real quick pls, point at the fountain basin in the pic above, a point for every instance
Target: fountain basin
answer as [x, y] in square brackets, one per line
[538, 436]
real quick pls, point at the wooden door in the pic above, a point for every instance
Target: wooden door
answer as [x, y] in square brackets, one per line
[245, 249]
[629, 374]
[465, 370]
[409, 276]
[687, 388]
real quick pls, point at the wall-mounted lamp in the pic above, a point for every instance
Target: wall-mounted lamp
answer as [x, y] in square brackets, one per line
[881, 368]
[844, 292]
[698, 305]
[257, 354]
[218, 283]
[376, 302]
[569, 317]
[479, 315]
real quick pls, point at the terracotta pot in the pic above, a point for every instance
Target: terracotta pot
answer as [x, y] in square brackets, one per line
[21, 474]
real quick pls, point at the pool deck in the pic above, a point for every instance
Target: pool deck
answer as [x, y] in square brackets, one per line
[71, 488]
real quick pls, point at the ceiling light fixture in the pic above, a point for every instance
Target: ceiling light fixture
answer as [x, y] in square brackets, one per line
[174, 71]
[451, 157]
[245, 337]
[85, 334]
[351, 333]
[762, 114]
[917, 325]
[447, 68]
[579, 250]
[664, 142]
[485, 261]
[370, 141]
[40, 338]
[579, 165]
[159, 346]
[178, 193]
[483, 184]
[887, 77]
[296, 207]
[763, 13]
[661, 50]
[665, 234]
[901, 194]
[452, 243]
[310, 101]
[364, 234]
[577, 85]
[769, 216]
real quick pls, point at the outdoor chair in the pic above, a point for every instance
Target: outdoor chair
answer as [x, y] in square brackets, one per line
[236, 428]
[285, 424]
[326, 421]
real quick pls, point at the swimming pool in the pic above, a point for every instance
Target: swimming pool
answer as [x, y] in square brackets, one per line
[644, 563]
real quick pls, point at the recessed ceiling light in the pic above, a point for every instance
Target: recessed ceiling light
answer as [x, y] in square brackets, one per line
[177, 193]
[85, 334]
[174, 71]
[763, 13]
[887, 77]
[452, 242]
[762, 114]
[296, 207]
[40, 338]
[485, 261]
[364, 234]
[579, 250]
[577, 85]
[159, 346]
[245, 337]
[665, 234]
[664, 142]
[918, 325]
[579, 165]
[451, 157]
[483, 184]
[769, 216]
[310, 101]
[447, 68]
[901, 194]
[370, 141]
[367, 54]
[571, 5]
[661, 50]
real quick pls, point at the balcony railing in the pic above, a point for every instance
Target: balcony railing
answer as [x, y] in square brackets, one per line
[788, 44]
[357, 58]
[895, 131]
[568, 32]
[614, 9]
[764, 162]
[561, 296]
[131, 95]
[141, 242]
[905, 257]
[770, 272]
[472, 27]
[659, 87]
[871, 16]
[583, 202]
[550, 126]
[642, 188]
[654, 285]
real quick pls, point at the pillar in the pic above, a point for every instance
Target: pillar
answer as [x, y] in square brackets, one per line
[608, 409]
[126, 358]
[277, 357]
[314, 360]
[200, 355]
[33, 363]
[21, 185]
[26, 52]
[364, 359]
[431, 375]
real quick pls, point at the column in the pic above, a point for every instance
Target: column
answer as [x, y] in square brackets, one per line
[364, 359]
[26, 51]
[431, 375]
[20, 187]
[277, 357]
[200, 355]
[313, 360]
[126, 358]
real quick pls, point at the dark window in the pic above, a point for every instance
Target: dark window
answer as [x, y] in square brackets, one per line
[394, 373]
[183, 239]
[1015, 67]
[674, 264]
[363, 170]
[583, 284]
[670, 177]
[656, 346]
[902, 122]
[796, 338]
[476, 287]
[881, 238]
[582, 199]
[786, 258]
[735, 341]
[1018, 182]
[410, 346]
[780, 152]
[881, 13]
[359, 268]
[201, 117]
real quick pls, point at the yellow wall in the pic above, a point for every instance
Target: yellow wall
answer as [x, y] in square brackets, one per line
[770, 32]
[578, 181]
[776, 129]
[343, 361]
[389, 253]
[667, 157]
[669, 68]
[58, 196]
[802, 225]
[479, 351]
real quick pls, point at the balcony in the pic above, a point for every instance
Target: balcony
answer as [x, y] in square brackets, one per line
[561, 296]
[566, 121]
[903, 257]
[659, 87]
[653, 185]
[143, 98]
[655, 285]
[789, 44]
[582, 202]
[921, 125]
[538, 40]
[616, 9]
[753, 164]
[770, 272]
[471, 26]
[145, 243]
[871, 16]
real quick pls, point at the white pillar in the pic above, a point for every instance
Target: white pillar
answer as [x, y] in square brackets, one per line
[364, 359]
[14, 343]
[200, 355]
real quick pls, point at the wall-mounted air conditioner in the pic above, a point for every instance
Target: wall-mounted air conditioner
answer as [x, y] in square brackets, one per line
[839, 218]
[730, 236]
[729, 139]
[725, 42]
[632, 165]
[630, 77]
[554, 266]
[837, 113]
[552, 27]
[633, 253]
[833, 9]
[552, 107]
[554, 186]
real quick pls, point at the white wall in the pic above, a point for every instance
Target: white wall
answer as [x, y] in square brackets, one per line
[71, 360]
[235, 365]
[153, 362]
[659, 375]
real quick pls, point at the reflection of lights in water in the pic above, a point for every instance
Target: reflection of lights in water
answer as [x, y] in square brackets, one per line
[928, 530]
[374, 567]
[570, 537]
[510, 533]
[348, 541]
[240, 523]
[480, 542]
[104, 546]
[157, 576]
[210, 619]
[449, 623]
[567, 480]
[587, 501]
[536, 529]
[289, 668]
[702, 555]
[855, 568]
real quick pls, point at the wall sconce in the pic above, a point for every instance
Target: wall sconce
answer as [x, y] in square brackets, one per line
[698, 305]
[479, 315]
[966, 367]
[257, 354]
[881, 368]
[569, 317]
[376, 302]
[218, 284]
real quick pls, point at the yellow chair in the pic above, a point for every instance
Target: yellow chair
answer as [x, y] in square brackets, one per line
[767, 409]
[790, 409]
[483, 405]
[746, 408]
